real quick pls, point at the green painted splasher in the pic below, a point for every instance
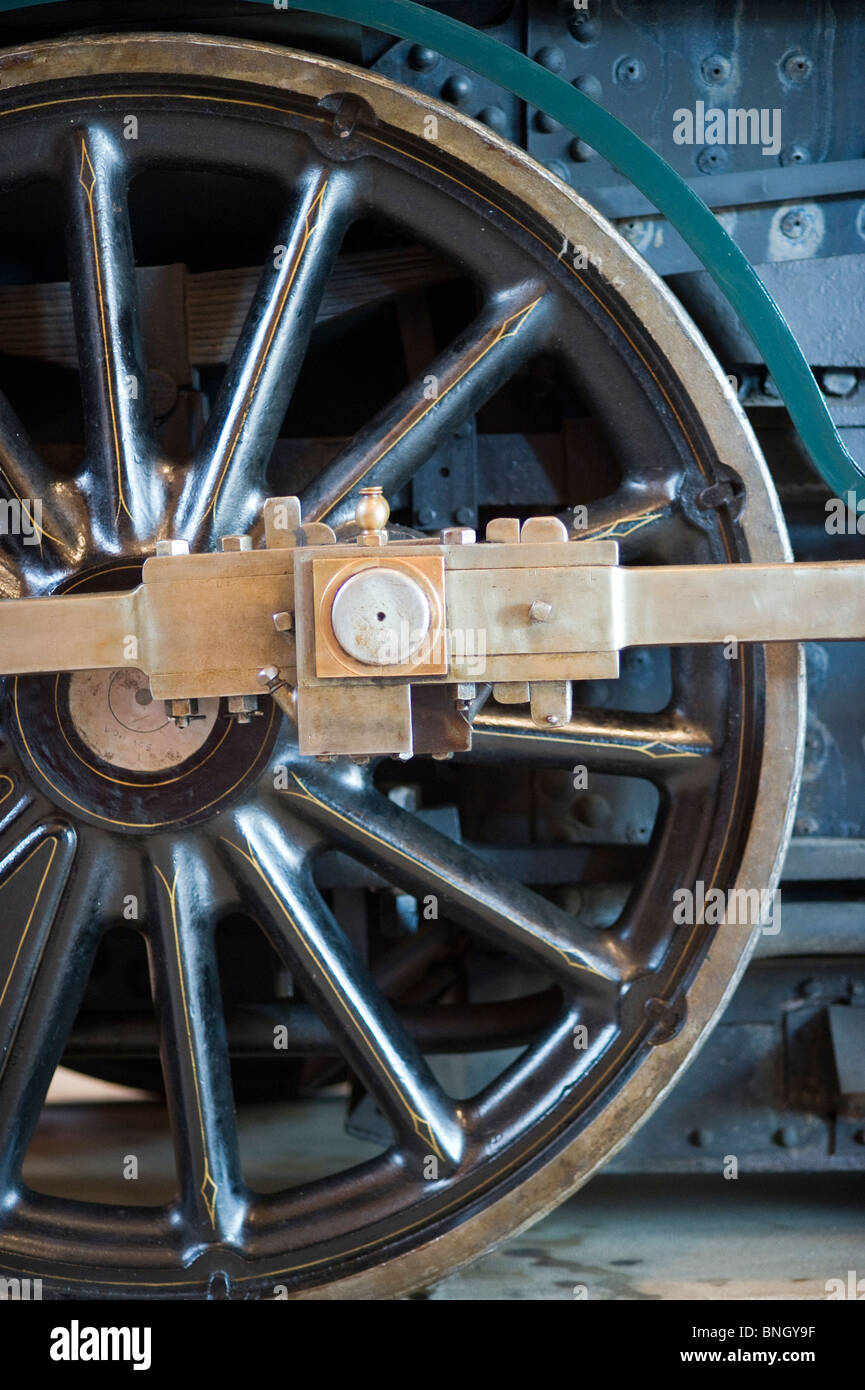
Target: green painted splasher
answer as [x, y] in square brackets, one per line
[627, 153]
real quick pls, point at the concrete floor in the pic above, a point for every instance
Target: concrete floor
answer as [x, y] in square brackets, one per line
[621, 1238]
[681, 1238]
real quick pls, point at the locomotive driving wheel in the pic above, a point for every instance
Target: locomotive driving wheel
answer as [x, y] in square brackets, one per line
[410, 906]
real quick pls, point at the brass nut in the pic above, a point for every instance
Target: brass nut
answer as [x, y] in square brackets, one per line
[243, 708]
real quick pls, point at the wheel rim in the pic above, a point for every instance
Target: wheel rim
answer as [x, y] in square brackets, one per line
[373, 1225]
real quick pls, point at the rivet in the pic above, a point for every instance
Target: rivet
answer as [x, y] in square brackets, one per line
[553, 59]
[797, 223]
[556, 167]
[589, 85]
[666, 1019]
[839, 383]
[457, 88]
[797, 66]
[700, 1138]
[584, 28]
[580, 151]
[421, 58]
[795, 154]
[711, 159]
[629, 71]
[547, 125]
[494, 117]
[715, 69]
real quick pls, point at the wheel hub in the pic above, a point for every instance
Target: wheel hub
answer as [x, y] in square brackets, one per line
[115, 715]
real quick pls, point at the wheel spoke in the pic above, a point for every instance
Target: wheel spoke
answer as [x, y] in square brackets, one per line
[631, 517]
[50, 935]
[127, 490]
[421, 858]
[364, 1025]
[239, 437]
[644, 745]
[517, 1083]
[53, 529]
[390, 449]
[21, 821]
[644, 932]
[655, 472]
[195, 1060]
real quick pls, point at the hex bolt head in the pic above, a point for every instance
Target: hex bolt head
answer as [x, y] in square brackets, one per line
[539, 610]
[176, 547]
[236, 543]
[182, 712]
[283, 622]
[458, 535]
[243, 708]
